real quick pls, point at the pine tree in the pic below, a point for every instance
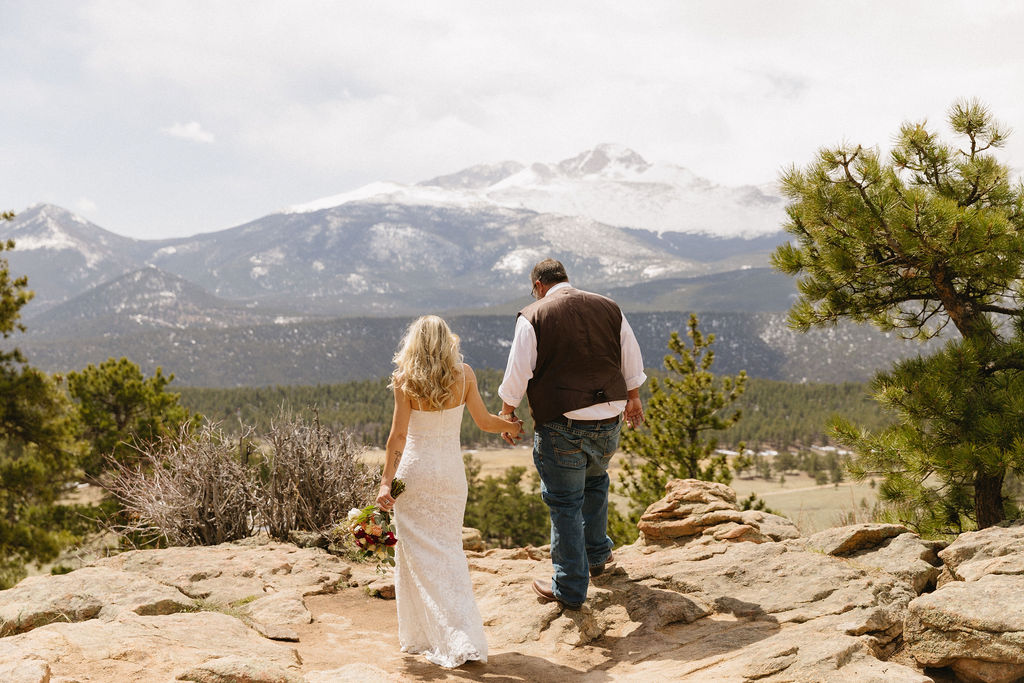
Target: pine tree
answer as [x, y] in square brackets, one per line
[37, 451]
[684, 411]
[932, 238]
[119, 409]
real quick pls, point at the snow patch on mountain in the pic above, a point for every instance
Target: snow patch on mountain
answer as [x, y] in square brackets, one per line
[518, 261]
[394, 193]
[44, 231]
[476, 177]
[273, 257]
[609, 184]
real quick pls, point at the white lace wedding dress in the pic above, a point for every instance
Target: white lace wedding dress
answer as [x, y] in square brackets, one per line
[437, 615]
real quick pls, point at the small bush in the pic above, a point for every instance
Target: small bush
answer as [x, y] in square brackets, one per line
[312, 477]
[189, 489]
[204, 488]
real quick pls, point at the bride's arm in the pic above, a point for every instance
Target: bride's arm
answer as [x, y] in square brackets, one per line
[484, 420]
[394, 448]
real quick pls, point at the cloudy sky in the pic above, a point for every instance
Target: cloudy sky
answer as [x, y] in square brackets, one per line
[167, 118]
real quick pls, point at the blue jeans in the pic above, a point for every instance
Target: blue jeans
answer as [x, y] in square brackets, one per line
[573, 466]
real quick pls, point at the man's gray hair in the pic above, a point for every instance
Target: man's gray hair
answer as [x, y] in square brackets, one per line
[549, 271]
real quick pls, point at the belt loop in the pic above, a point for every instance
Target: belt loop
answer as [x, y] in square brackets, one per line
[568, 422]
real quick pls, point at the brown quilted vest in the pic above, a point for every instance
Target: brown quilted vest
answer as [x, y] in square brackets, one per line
[579, 355]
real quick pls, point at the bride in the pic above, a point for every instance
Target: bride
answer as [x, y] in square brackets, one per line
[437, 615]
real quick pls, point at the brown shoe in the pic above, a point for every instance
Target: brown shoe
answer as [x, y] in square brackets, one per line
[547, 595]
[597, 569]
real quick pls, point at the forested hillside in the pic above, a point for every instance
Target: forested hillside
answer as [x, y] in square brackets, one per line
[775, 414]
[348, 349]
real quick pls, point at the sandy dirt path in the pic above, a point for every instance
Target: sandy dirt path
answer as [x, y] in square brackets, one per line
[350, 626]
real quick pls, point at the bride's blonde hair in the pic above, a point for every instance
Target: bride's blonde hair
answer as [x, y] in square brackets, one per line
[428, 362]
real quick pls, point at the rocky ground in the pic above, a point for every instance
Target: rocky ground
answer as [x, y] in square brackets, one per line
[709, 593]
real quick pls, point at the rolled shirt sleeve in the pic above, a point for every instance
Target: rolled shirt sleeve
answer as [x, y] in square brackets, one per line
[522, 359]
[632, 360]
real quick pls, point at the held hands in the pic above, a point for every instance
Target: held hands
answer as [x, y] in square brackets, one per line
[515, 429]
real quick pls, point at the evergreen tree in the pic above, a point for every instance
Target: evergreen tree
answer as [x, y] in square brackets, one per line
[119, 408]
[37, 451]
[963, 429]
[503, 510]
[932, 236]
[684, 411]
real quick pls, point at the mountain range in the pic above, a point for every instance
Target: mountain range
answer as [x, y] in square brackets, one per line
[464, 241]
[286, 297]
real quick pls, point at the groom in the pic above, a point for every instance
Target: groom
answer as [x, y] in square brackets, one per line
[577, 360]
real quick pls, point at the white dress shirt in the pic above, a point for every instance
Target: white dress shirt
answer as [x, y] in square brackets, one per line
[522, 361]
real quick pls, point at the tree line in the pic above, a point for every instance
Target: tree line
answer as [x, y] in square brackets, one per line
[775, 414]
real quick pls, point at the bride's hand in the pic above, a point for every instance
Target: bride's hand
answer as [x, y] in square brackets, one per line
[385, 501]
[514, 431]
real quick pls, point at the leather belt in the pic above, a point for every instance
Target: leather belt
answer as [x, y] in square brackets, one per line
[569, 421]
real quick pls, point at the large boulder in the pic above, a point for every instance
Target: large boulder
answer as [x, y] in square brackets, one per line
[84, 594]
[234, 669]
[886, 547]
[237, 572]
[693, 509]
[143, 648]
[995, 550]
[708, 611]
[971, 626]
[974, 622]
[849, 539]
[236, 595]
[472, 540]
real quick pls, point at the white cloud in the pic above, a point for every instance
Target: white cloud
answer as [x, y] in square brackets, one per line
[193, 130]
[85, 205]
[733, 91]
[321, 97]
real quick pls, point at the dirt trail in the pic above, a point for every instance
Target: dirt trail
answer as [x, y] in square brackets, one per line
[351, 626]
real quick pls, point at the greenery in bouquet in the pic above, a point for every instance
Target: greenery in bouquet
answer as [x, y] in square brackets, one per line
[372, 532]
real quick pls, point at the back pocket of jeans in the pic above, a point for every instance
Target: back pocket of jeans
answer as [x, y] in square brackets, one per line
[567, 451]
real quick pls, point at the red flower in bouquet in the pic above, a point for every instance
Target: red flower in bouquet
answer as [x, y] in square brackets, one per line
[373, 533]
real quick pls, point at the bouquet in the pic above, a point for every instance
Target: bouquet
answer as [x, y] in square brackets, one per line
[373, 533]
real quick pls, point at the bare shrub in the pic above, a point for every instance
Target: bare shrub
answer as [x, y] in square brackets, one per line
[188, 489]
[312, 477]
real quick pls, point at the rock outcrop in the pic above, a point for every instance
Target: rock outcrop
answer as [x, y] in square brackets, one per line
[974, 621]
[709, 593]
[695, 509]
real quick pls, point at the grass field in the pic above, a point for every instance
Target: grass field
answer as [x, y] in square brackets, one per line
[810, 506]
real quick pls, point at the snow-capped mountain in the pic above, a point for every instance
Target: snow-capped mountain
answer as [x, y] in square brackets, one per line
[141, 300]
[381, 257]
[609, 184]
[463, 241]
[64, 254]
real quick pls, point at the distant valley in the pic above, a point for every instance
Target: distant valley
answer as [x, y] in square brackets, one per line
[344, 349]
